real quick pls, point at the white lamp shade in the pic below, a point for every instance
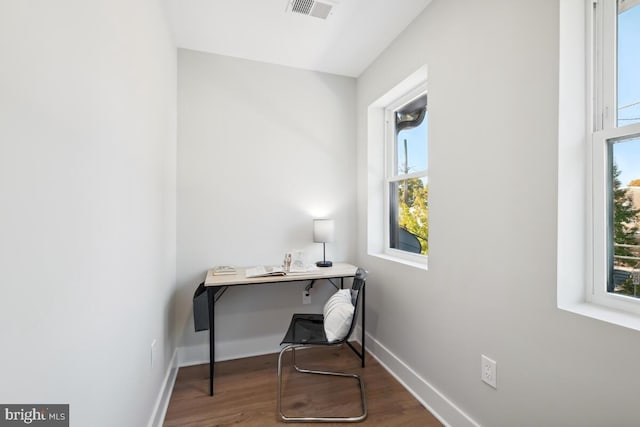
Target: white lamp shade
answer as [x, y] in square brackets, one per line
[323, 230]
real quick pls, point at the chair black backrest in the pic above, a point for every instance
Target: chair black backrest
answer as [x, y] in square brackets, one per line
[358, 283]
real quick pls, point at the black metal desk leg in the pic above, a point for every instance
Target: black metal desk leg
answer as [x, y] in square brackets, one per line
[212, 342]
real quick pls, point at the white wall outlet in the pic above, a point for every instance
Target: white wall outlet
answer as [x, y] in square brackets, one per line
[306, 297]
[153, 351]
[488, 371]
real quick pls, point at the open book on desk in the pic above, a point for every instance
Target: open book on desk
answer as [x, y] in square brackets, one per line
[262, 271]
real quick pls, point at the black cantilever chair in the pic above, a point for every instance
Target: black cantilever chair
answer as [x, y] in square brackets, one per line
[308, 330]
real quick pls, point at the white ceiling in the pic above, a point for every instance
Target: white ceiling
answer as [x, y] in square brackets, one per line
[355, 33]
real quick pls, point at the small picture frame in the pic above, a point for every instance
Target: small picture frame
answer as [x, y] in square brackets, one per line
[298, 263]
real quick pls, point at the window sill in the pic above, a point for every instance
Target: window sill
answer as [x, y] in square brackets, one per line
[399, 260]
[605, 314]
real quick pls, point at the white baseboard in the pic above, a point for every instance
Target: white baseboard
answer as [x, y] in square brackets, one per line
[162, 402]
[199, 354]
[193, 355]
[437, 403]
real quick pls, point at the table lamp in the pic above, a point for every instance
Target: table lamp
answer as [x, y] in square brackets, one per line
[323, 231]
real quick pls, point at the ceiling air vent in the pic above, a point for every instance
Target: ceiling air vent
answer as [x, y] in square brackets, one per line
[318, 9]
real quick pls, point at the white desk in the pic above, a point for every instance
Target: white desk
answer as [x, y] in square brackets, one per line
[218, 284]
[338, 270]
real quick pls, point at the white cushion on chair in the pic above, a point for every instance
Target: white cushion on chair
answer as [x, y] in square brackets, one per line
[342, 296]
[338, 313]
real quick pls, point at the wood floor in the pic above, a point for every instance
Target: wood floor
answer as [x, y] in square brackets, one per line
[245, 393]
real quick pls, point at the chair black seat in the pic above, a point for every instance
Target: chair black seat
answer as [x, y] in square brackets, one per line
[306, 329]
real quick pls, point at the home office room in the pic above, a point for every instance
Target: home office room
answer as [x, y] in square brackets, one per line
[143, 143]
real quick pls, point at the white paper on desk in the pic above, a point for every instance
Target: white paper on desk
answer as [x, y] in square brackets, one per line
[261, 271]
[309, 268]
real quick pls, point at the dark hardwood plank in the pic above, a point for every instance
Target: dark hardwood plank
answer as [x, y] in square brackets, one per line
[245, 393]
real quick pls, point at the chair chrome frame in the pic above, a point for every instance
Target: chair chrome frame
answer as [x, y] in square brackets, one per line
[286, 418]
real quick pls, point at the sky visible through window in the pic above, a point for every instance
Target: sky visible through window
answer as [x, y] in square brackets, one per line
[416, 147]
[627, 154]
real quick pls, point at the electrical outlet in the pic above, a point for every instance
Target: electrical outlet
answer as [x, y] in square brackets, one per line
[488, 371]
[153, 351]
[306, 297]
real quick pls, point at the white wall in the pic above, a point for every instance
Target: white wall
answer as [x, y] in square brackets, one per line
[491, 284]
[263, 149]
[87, 206]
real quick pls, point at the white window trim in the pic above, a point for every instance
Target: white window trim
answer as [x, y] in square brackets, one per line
[377, 200]
[596, 291]
[578, 119]
[605, 129]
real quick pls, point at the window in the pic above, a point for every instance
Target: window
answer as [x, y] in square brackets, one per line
[616, 154]
[397, 173]
[406, 181]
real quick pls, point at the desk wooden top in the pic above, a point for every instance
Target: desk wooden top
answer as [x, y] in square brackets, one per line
[338, 270]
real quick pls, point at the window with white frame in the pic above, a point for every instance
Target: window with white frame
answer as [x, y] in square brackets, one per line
[406, 178]
[615, 154]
